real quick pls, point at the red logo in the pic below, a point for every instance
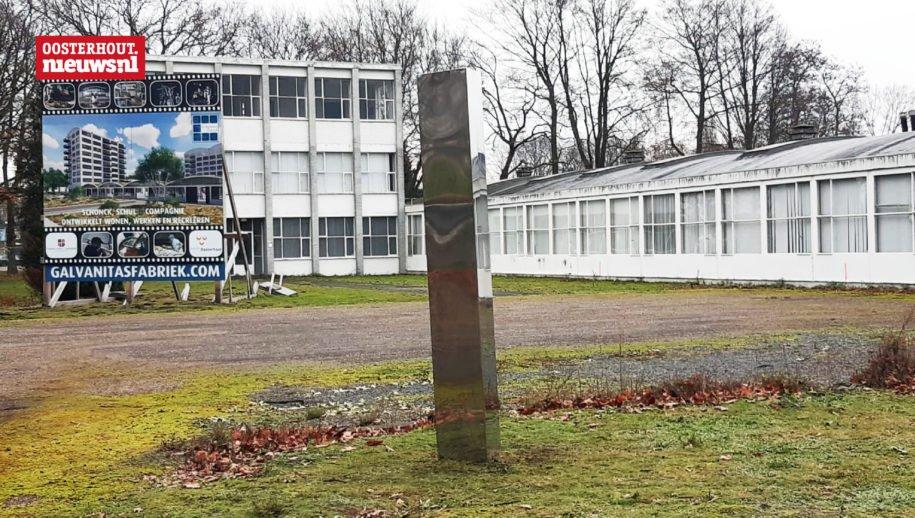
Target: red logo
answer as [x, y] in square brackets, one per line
[90, 57]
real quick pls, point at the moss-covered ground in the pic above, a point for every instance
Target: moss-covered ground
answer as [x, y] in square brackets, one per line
[76, 453]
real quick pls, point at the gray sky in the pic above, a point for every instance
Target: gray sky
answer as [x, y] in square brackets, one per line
[876, 34]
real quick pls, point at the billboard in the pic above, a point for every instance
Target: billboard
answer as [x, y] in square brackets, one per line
[133, 179]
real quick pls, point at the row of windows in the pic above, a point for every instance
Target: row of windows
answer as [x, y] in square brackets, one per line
[290, 172]
[336, 237]
[241, 97]
[617, 226]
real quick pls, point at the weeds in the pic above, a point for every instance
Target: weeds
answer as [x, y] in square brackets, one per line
[892, 365]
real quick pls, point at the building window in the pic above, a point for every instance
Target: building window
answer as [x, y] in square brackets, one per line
[538, 229]
[379, 235]
[376, 99]
[335, 172]
[513, 228]
[624, 226]
[495, 232]
[336, 237]
[843, 215]
[894, 213]
[697, 219]
[291, 238]
[660, 222]
[788, 210]
[565, 234]
[593, 226]
[288, 97]
[289, 172]
[246, 169]
[740, 225]
[377, 172]
[415, 234]
[332, 98]
[241, 96]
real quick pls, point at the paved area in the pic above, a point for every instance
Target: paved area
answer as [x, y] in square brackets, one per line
[33, 354]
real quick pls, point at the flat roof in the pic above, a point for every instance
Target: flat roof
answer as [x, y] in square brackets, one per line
[787, 154]
[230, 60]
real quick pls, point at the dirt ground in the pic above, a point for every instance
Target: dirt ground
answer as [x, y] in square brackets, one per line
[33, 354]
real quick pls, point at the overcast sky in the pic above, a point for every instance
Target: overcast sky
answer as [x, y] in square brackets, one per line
[879, 35]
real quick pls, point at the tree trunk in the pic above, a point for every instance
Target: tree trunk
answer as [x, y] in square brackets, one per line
[12, 268]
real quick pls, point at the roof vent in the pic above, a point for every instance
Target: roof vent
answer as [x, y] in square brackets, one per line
[524, 171]
[633, 156]
[803, 131]
[907, 120]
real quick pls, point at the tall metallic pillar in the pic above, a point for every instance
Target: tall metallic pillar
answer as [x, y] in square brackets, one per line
[457, 253]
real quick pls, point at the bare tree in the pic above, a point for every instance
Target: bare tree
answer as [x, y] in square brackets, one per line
[176, 27]
[509, 109]
[791, 88]
[282, 35]
[597, 45]
[532, 36]
[882, 105]
[690, 39]
[840, 110]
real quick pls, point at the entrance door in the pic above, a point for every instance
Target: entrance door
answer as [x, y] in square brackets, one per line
[252, 232]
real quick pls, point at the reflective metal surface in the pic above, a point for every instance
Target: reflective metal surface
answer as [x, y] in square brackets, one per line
[457, 252]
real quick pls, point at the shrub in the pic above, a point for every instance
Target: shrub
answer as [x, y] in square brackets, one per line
[109, 204]
[892, 364]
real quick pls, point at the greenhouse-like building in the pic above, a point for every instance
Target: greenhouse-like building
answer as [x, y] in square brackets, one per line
[804, 212]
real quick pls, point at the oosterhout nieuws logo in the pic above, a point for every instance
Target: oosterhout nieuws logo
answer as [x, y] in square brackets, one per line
[90, 57]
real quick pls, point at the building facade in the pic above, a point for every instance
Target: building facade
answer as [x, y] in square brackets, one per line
[203, 161]
[834, 210]
[91, 159]
[315, 158]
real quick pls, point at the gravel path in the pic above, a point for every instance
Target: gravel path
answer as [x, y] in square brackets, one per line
[33, 354]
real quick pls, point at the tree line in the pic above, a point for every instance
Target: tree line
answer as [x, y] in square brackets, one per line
[568, 84]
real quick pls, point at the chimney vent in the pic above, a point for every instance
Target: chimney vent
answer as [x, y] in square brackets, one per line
[633, 156]
[524, 171]
[802, 131]
[904, 121]
[912, 120]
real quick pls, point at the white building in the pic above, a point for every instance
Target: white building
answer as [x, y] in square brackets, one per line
[807, 212]
[91, 159]
[314, 153]
[203, 161]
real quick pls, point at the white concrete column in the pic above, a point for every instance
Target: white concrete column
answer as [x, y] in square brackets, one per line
[763, 220]
[678, 232]
[268, 170]
[357, 171]
[871, 200]
[312, 175]
[718, 215]
[399, 168]
[815, 217]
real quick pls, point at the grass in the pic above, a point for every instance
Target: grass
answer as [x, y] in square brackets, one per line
[17, 302]
[77, 453]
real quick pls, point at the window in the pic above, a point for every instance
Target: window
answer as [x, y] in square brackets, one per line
[376, 99]
[289, 172]
[788, 209]
[379, 235]
[336, 237]
[288, 97]
[415, 234]
[565, 235]
[335, 172]
[332, 98]
[624, 226]
[843, 215]
[291, 238]
[593, 226]
[513, 227]
[241, 96]
[660, 232]
[538, 229]
[740, 227]
[377, 172]
[697, 217]
[894, 213]
[495, 232]
[246, 169]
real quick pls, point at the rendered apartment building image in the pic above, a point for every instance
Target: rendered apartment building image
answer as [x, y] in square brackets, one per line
[313, 152]
[92, 159]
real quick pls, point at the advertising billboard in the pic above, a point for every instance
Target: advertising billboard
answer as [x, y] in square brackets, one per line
[133, 178]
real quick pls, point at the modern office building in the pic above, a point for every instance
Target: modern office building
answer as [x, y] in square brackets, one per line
[91, 159]
[314, 154]
[203, 161]
[831, 210]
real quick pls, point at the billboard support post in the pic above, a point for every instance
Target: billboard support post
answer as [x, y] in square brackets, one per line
[237, 226]
[457, 255]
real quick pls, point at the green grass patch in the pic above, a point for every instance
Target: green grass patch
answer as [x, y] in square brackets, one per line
[77, 453]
